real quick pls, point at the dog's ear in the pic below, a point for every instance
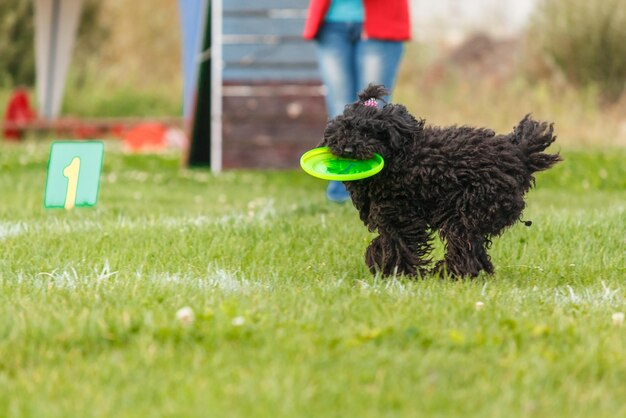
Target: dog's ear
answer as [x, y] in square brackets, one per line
[330, 132]
[402, 127]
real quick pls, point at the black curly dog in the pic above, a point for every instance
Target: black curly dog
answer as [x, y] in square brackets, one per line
[466, 183]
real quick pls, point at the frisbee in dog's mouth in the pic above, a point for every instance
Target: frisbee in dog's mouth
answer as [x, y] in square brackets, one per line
[323, 164]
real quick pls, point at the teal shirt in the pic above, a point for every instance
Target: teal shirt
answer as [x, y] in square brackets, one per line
[345, 11]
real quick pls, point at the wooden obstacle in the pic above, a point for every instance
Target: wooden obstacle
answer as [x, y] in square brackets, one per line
[273, 101]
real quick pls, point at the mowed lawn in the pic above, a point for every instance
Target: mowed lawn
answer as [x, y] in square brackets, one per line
[288, 322]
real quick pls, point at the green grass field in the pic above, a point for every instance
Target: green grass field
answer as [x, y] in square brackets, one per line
[288, 321]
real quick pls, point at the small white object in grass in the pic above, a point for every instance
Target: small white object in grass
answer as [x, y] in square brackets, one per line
[479, 305]
[238, 321]
[618, 318]
[185, 315]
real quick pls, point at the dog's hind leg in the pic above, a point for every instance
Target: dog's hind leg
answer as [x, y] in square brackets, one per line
[466, 255]
[480, 246]
[392, 255]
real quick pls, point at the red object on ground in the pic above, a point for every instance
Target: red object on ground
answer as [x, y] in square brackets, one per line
[18, 113]
[146, 137]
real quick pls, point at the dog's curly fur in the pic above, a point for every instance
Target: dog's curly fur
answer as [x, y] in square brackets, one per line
[466, 183]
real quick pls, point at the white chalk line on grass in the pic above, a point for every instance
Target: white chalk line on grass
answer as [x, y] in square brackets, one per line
[11, 229]
[259, 212]
[218, 279]
[68, 278]
[596, 296]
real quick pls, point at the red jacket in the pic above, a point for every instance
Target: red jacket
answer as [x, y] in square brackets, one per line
[384, 19]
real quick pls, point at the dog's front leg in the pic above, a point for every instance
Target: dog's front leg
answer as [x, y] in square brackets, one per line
[403, 245]
[360, 199]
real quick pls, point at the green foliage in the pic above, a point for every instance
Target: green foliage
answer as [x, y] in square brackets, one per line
[288, 321]
[585, 40]
[92, 33]
[17, 62]
[93, 99]
[17, 39]
[578, 120]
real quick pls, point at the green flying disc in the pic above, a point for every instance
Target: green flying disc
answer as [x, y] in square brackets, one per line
[321, 163]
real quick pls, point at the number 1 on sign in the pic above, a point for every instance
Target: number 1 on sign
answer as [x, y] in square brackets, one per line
[71, 172]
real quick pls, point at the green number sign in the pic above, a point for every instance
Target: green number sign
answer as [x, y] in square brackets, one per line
[73, 174]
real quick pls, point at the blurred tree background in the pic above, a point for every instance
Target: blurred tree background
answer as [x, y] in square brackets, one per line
[130, 61]
[126, 56]
[17, 35]
[584, 40]
[17, 65]
[569, 63]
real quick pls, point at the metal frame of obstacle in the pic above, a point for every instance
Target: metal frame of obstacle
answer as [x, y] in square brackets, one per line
[206, 125]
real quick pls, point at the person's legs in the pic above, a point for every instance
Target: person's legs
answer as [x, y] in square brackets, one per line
[336, 57]
[377, 62]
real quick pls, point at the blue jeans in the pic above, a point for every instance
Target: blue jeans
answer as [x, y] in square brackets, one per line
[348, 63]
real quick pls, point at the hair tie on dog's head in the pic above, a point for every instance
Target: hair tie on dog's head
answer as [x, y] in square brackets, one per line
[370, 102]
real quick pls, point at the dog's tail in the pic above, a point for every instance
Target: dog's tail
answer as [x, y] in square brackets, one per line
[534, 137]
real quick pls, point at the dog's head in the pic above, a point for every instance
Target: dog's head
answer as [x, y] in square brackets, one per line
[364, 129]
